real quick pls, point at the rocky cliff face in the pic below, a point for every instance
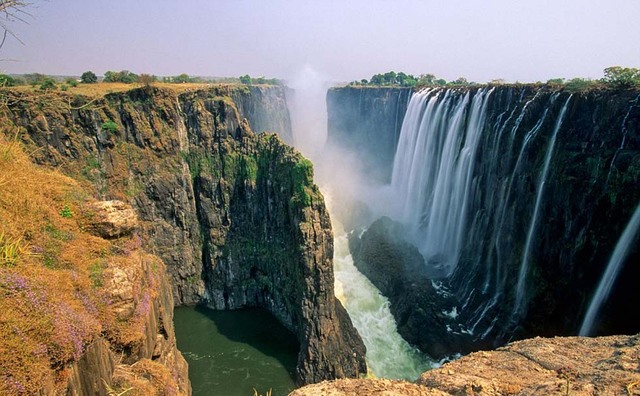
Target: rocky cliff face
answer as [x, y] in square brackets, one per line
[85, 310]
[367, 121]
[423, 313]
[588, 197]
[265, 108]
[235, 216]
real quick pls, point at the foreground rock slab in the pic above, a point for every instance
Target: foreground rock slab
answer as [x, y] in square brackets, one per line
[574, 366]
[372, 387]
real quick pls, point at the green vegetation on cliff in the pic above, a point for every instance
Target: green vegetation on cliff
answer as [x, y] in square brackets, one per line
[615, 77]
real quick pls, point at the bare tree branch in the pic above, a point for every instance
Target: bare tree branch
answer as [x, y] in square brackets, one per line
[12, 11]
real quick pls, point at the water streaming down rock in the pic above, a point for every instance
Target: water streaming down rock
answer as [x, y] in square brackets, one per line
[492, 179]
[436, 192]
[618, 258]
[522, 274]
[388, 354]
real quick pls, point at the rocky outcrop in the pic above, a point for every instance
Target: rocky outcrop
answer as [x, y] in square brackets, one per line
[424, 314]
[235, 216]
[370, 387]
[367, 121]
[556, 366]
[111, 219]
[139, 295]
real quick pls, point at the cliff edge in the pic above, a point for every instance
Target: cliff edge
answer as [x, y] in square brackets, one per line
[540, 366]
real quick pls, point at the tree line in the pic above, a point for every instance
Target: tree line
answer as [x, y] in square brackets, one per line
[616, 77]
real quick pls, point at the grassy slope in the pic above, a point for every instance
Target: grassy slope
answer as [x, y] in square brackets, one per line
[53, 299]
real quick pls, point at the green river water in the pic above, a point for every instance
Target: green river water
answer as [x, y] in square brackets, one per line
[232, 352]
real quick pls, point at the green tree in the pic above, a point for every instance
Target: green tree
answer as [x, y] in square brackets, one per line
[182, 78]
[110, 76]
[35, 78]
[460, 81]
[246, 79]
[48, 84]
[7, 81]
[127, 77]
[377, 79]
[621, 77]
[390, 78]
[124, 76]
[579, 84]
[89, 77]
[554, 81]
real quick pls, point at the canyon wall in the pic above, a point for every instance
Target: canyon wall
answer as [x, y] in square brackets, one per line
[234, 215]
[367, 121]
[548, 187]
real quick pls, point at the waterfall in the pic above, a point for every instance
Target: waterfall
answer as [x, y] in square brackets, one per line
[433, 169]
[522, 274]
[462, 206]
[624, 245]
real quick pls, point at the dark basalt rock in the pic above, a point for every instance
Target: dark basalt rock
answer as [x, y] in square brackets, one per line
[367, 121]
[590, 193]
[234, 215]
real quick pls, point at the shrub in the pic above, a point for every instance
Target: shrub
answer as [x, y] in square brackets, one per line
[146, 79]
[72, 82]
[11, 250]
[48, 84]
[110, 126]
[66, 212]
[579, 84]
[89, 77]
[124, 76]
[7, 81]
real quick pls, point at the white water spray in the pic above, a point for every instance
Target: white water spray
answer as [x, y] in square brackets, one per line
[388, 354]
[624, 245]
[308, 111]
[433, 169]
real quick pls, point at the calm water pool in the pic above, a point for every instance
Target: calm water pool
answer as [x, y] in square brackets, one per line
[232, 352]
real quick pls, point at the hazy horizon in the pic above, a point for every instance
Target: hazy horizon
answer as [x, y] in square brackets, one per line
[497, 39]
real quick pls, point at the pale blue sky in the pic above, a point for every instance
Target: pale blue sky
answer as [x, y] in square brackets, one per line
[341, 40]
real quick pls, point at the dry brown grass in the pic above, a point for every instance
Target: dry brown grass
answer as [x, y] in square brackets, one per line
[52, 303]
[100, 89]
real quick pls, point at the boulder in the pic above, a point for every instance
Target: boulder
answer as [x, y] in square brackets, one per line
[111, 219]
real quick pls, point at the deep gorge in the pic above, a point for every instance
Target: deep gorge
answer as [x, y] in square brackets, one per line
[527, 190]
[234, 215]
